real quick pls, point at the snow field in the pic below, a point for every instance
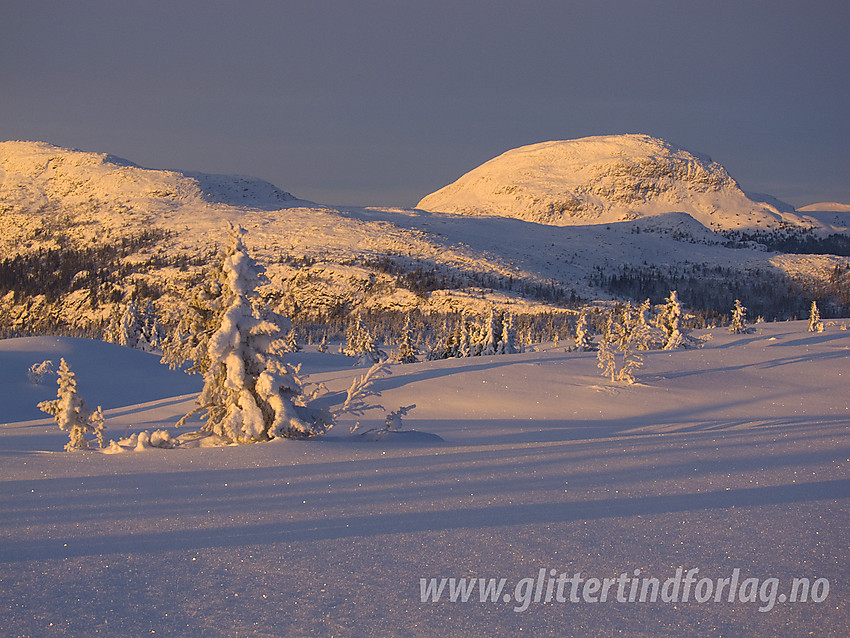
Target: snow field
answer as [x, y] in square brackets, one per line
[732, 456]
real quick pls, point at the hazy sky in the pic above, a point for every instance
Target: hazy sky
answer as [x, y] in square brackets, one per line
[383, 101]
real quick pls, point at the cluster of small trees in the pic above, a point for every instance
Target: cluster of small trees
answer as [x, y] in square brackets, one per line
[711, 290]
[135, 328]
[472, 338]
[360, 344]
[631, 329]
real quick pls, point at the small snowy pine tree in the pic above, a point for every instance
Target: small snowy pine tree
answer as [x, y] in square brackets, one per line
[507, 343]
[669, 322]
[129, 330]
[624, 334]
[492, 334]
[151, 338]
[739, 319]
[292, 341]
[583, 341]
[606, 358]
[360, 344]
[323, 344]
[406, 351]
[815, 323]
[70, 412]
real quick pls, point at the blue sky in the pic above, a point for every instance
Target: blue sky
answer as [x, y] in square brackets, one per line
[383, 101]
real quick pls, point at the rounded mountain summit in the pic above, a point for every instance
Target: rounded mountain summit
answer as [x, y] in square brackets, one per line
[605, 179]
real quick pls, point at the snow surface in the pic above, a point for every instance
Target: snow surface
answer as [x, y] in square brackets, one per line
[736, 455]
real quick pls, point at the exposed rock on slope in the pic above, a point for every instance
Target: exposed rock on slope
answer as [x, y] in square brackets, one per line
[607, 179]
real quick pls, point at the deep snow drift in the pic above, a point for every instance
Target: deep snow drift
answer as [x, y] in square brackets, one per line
[735, 455]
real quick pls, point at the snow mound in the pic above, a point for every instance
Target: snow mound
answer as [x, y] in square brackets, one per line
[606, 179]
[107, 375]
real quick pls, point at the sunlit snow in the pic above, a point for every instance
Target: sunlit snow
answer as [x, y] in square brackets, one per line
[735, 455]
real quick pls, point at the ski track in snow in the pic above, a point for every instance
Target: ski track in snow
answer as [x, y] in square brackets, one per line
[732, 456]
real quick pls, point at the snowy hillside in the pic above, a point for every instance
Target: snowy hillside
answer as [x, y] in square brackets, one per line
[835, 207]
[732, 457]
[832, 216]
[82, 233]
[40, 174]
[608, 179]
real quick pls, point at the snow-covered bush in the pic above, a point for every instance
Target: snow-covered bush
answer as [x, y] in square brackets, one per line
[250, 393]
[158, 439]
[39, 372]
[392, 423]
[71, 414]
[360, 388]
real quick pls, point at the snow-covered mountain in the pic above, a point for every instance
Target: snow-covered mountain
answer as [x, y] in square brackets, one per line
[117, 229]
[609, 179]
[44, 188]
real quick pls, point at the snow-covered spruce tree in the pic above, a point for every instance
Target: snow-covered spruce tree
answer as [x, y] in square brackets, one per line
[151, 329]
[292, 341]
[606, 358]
[468, 343]
[199, 319]
[739, 319]
[360, 344]
[71, 414]
[668, 322]
[323, 344]
[507, 343]
[129, 329]
[112, 331]
[406, 350]
[625, 335]
[583, 341]
[250, 393]
[492, 334]
[815, 323]
[631, 336]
